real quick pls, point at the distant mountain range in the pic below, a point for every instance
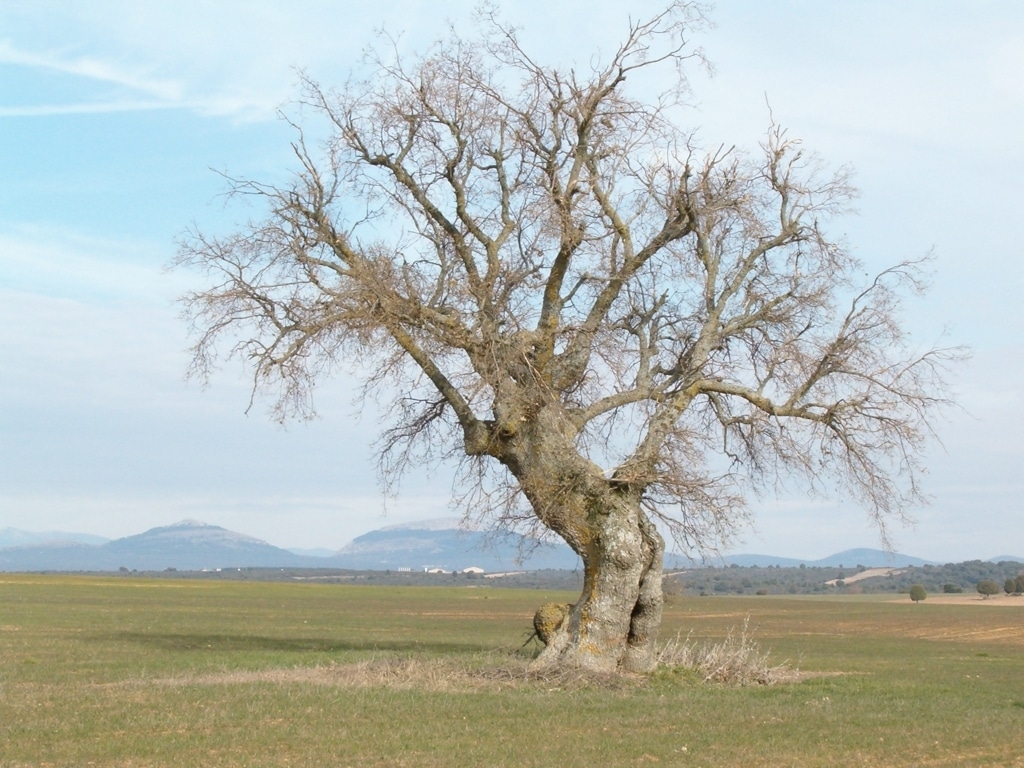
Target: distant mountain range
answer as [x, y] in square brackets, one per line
[191, 545]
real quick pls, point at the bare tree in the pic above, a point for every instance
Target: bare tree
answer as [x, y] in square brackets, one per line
[616, 331]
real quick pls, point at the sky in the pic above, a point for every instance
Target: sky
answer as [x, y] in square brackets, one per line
[117, 117]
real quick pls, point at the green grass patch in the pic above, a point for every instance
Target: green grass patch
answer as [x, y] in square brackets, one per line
[137, 672]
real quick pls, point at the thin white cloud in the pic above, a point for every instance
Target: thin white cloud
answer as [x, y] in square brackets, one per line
[239, 59]
[90, 108]
[93, 69]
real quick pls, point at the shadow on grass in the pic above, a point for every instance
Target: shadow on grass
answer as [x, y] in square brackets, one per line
[220, 642]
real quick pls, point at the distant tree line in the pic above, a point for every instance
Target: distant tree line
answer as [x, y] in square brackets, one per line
[1007, 576]
[773, 580]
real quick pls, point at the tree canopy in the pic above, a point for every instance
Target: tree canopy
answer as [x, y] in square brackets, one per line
[613, 327]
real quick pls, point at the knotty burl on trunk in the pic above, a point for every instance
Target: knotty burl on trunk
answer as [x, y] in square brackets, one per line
[544, 279]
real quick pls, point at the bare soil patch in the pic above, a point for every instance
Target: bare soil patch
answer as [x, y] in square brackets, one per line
[870, 573]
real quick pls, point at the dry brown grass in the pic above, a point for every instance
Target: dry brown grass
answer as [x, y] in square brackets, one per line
[737, 660]
[437, 675]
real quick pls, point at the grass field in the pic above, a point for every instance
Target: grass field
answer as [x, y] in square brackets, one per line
[136, 672]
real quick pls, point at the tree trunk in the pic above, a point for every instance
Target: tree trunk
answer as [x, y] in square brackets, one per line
[613, 626]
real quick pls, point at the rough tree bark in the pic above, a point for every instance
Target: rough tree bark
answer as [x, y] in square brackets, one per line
[613, 331]
[614, 624]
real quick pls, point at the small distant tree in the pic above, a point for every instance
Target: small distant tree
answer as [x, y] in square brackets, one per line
[918, 593]
[952, 589]
[1020, 584]
[987, 588]
[1010, 586]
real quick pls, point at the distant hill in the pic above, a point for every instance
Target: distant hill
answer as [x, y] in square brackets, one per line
[441, 544]
[193, 545]
[188, 545]
[869, 558]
